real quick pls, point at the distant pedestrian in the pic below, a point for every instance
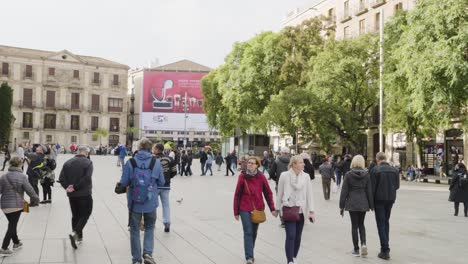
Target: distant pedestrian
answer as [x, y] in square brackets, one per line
[143, 175]
[295, 191]
[385, 182]
[203, 158]
[338, 172]
[252, 187]
[356, 198]
[234, 160]
[169, 171]
[308, 166]
[7, 156]
[188, 169]
[76, 179]
[459, 189]
[280, 165]
[13, 185]
[122, 155]
[219, 160]
[228, 160]
[36, 160]
[209, 162]
[20, 154]
[183, 163]
[328, 174]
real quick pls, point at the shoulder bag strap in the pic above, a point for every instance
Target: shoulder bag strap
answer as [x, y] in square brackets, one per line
[248, 190]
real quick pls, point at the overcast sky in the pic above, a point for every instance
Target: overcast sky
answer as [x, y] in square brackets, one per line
[136, 32]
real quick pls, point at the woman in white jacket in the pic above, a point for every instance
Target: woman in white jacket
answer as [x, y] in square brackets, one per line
[295, 190]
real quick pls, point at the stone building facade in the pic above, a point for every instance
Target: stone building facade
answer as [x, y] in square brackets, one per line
[61, 97]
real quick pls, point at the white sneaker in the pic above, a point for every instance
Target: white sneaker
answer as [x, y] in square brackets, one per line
[295, 261]
[363, 250]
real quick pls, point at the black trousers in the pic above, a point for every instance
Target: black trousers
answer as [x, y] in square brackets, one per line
[34, 183]
[357, 223]
[11, 234]
[4, 163]
[228, 169]
[326, 188]
[81, 208]
[457, 205]
[47, 190]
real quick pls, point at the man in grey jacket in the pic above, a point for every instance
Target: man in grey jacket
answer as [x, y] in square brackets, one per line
[75, 178]
[328, 173]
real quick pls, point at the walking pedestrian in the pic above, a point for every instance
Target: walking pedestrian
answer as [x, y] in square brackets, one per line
[36, 160]
[338, 172]
[143, 174]
[7, 156]
[20, 154]
[328, 174]
[385, 183]
[252, 187]
[13, 185]
[459, 189]
[295, 193]
[234, 160]
[356, 198]
[47, 177]
[219, 160]
[122, 155]
[183, 163]
[169, 170]
[203, 158]
[308, 166]
[76, 179]
[279, 166]
[209, 162]
[228, 159]
[188, 169]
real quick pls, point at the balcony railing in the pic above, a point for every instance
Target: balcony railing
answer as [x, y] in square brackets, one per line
[345, 16]
[95, 108]
[26, 104]
[26, 125]
[330, 22]
[377, 3]
[361, 9]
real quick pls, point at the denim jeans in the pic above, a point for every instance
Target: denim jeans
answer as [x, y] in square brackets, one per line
[250, 234]
[208, 168]
[203, 168]
[148, 240]
[166, 210]
[338, 178]
[122, 162]
[293, 237]
[383, 210]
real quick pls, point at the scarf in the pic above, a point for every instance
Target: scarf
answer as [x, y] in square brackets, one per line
[293, 186]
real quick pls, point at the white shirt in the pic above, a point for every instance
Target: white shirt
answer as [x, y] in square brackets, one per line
[288, 195]
[20, 152]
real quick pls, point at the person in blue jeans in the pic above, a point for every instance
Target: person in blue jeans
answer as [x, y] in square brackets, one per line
[385, 182]
[145, 173]
[209, 162]
[252, 186]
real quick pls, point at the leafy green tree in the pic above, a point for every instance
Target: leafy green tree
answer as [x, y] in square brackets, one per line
[6, 116]
[100, 133]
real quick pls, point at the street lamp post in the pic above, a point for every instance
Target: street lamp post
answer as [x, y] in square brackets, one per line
[185, 120]
[381, 22]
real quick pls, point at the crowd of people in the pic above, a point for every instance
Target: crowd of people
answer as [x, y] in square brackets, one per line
[146, 180]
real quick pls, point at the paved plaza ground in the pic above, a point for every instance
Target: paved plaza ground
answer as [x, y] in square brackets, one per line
[203, 230]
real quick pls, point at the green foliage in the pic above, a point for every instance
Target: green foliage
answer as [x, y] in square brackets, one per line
[100, 133]
[6, 117]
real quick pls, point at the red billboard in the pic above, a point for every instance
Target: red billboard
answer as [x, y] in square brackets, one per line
[166, 92]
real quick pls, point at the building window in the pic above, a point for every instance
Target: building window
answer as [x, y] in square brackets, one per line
[76, 74]
[51, 71]
[27, 120]
[50, 99]
[346, 9]
[75, 101]
[95, 137]
[27, 97]
[49, 138]
[5, 68]
[94, 123]
[115, 105]
[25, 135]
[377, 22]
[398, 7]
[346, 32]
[113, 140]
[95, 102]
[115, 80]
[29, 71]
[362, 26]
[49, 121]
[96, 78]
[114, 124]
[73, 139]
[75, 122]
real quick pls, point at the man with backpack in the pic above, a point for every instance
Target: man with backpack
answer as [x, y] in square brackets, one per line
[459, 189]
[143, 174]
[169, 170]
[47, 178]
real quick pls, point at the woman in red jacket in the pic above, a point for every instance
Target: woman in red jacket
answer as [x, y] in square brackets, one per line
[252, 186]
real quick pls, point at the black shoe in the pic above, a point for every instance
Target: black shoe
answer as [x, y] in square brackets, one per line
[43, 202]
[73, 237]
[167, 228]
[383, 255]
[148, 259]
[455, 214]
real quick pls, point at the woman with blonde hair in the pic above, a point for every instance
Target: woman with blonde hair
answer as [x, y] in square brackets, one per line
[252, 186]
[356, 198]
[296, 201]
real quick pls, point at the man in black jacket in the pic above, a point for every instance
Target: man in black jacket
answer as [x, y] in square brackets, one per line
[75, 178]
[385, 183]
[170, 170]
[203, 158]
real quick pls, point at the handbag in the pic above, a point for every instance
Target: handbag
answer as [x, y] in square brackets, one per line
[291, 214]
[256, 216]
[25, 203]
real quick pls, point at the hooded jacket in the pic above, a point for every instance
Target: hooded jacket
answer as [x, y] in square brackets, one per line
[279, 166]
[143, 157]
[356, 192]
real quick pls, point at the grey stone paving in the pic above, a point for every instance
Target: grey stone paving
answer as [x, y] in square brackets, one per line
[423, 228]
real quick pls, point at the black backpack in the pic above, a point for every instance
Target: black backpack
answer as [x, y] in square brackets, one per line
[462, 181]
[51, 164]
